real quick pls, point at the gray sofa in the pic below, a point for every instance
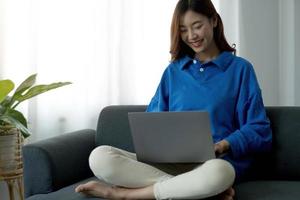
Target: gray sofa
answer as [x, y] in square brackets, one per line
[53, 167]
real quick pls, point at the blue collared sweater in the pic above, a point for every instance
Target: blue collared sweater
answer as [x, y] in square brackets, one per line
[228, 89]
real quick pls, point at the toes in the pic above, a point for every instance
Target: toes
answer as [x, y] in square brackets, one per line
[225, 197]
[227, 194]
[85, 187]
[79, 188]
[95, 188]
[228, 197]
[232, 192]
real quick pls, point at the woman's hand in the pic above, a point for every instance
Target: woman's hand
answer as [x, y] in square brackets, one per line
[222, 147]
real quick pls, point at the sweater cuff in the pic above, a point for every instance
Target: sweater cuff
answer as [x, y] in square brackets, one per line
[237, 143]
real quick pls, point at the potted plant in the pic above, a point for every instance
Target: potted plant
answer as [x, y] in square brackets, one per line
[13, 124]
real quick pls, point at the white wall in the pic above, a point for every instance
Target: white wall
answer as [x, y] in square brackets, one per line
[265, 33]
[230, 15]
[258, 28]
[287, 52]
[297, 52]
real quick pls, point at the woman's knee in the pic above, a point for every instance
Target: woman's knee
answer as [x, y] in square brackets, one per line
[221, 169]
[220, 174]
[102, 161]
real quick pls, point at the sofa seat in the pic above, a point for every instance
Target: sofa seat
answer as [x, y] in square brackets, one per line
[268, 190]
[66, 193]
[260, 190]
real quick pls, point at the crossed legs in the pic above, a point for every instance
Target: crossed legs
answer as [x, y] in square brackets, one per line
[129, 179]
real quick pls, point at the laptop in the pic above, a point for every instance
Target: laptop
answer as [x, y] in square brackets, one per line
[172, 137]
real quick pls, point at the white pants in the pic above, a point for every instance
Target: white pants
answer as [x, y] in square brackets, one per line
[121, 168]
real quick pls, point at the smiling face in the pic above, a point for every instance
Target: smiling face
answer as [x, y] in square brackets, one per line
[196, 31]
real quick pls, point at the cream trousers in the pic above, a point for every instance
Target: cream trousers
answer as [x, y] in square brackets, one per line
[121, 168]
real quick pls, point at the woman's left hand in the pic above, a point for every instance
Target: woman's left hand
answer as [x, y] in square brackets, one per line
[222, 147]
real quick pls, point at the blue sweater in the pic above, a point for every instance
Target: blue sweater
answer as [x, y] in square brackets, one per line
[228, 89]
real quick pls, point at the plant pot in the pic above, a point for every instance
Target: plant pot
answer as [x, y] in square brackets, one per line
[10, 151]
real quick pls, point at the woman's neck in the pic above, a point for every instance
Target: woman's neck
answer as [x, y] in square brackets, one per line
[208, 54]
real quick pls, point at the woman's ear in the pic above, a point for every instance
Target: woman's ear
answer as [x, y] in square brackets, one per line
[214, 21]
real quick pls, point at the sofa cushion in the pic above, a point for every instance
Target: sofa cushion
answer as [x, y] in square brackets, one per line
[113, 126]
[283, 163]
[66, 193]
[264, 190]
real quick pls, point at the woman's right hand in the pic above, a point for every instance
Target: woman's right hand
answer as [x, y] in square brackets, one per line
[222, 147]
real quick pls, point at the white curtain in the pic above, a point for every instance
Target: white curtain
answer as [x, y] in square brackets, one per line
[114, 52]
[265, 33]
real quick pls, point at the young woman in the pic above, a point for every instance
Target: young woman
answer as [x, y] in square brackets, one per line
[204, 74]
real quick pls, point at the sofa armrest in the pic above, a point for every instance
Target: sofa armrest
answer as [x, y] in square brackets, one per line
[56, 162]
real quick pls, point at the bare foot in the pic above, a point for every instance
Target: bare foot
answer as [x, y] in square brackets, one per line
[97, 189]
[227, 194]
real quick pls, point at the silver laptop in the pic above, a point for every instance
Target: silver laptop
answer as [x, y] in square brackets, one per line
[172, 137]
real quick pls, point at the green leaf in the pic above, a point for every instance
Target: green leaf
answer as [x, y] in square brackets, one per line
[25, 85]
[6, 86]
[18, 116]
[6, 102]
[10, 120]
[2, 110]
[39, 89]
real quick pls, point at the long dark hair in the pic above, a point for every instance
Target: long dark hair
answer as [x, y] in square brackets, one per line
[205, 7]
